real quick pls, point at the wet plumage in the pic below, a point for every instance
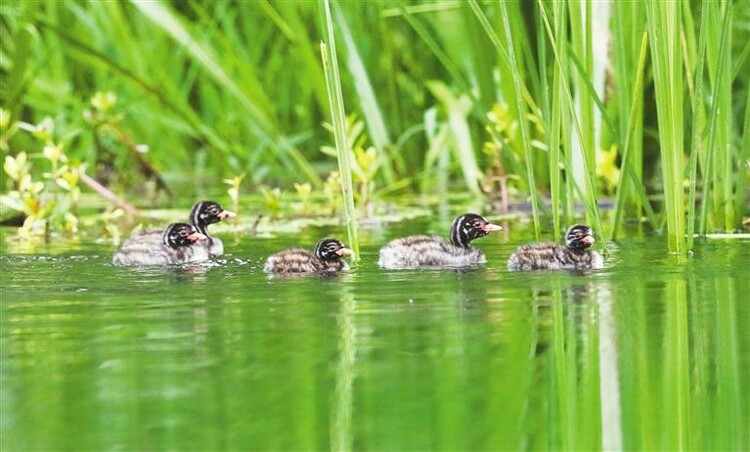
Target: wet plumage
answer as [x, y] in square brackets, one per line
[202, 214]
[574, 255]
[177, 245]
[327, 257]
[431, 251]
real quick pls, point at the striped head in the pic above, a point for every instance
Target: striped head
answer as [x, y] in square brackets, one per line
[579, 237]
[331, 250]
[181, 234]
[208, 212]
[468, 227]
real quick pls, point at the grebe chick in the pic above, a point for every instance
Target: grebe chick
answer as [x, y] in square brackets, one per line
[327, 257]
[202, 214]
[176, 247]
[431, 251]
[574, 255]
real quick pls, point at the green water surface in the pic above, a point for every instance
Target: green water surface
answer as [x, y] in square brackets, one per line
[648, 353]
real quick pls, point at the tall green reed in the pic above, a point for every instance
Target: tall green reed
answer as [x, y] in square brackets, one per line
[717, 181]
[665, 28]
[510, 56]
[559, 136]
[338, 115]
[458, 107]
[629, 60]
[235, 106]
[699, 120]
[580, 48]
[517, 94]
[744, 163]
[587, 193]
[631, 168]
[372, 113]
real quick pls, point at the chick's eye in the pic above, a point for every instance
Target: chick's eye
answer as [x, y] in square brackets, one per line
[477, 224]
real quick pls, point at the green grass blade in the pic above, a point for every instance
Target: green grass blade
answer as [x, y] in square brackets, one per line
[587, 83]
[433, 45]
[588, 197]
[718, 163]
[523, 124]
[373, 116]
[699, 120]
[292, 25]
[739, 61]
[338, 115]
[583, 158]
[744, 162]
[556, 120]
[458, 109]
[624, 144]
[205, 132]
[14, 82]
[627, 163]
[163, 17]
[665, 28]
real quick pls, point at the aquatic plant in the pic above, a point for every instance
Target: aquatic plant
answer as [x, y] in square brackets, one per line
[48, 203]
[303, 191]
[233, 191]
[272, 198]
[581, 81]
[365, 162]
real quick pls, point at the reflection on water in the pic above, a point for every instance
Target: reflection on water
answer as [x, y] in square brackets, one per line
[648, 353]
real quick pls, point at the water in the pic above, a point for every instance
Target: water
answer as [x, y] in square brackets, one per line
[648, 353]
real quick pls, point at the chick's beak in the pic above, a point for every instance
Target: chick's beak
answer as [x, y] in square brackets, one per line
[587, 240]
[195, 236]
[226, 214]
[489, 227]
[345, 252]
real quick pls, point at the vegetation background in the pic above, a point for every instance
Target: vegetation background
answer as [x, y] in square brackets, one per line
[555, 105]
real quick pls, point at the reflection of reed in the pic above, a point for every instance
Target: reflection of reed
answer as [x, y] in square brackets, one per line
[341, 424]
[681, 366]
[733, 435]
[563, 378]
[676, 372]
[588, 419]
[609, 383]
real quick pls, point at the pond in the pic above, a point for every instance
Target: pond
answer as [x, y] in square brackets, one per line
[648, 353]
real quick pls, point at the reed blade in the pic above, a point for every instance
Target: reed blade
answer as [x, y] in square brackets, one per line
[665, 29]
[587, 194]
[523, 124]
[338, 115]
